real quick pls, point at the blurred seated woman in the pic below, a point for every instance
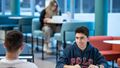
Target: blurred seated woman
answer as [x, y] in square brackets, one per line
[48, 29]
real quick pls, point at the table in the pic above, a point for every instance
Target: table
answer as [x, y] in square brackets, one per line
[115, 55]
[112, 41]
[55, 25]
[51, 21]
[16, 18]
[24, 23]
[7, 27]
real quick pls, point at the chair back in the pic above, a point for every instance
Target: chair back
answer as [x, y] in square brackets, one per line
[25, 53]
[25, 25]
[68, 30]
[36, 27]
[35, 24]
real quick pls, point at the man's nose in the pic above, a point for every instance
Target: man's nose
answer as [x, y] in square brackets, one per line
[80, 39]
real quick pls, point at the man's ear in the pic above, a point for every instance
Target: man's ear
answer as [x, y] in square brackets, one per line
[22, 47]
[4, 45]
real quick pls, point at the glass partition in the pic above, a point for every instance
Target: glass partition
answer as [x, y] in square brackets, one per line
[0, 7]
[25, 7]
[6, 7]
[33, 7]
[77, 6]
[116, 6]
[39, 5]
[88, 6]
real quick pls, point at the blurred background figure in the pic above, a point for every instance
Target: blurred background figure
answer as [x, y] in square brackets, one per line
[48, 29]
[39, 5]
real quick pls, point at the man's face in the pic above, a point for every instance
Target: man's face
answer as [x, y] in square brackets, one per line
[81, 40]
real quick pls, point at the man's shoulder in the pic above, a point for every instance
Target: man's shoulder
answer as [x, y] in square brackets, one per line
[17, 63]
[29, 65]
[70, 48]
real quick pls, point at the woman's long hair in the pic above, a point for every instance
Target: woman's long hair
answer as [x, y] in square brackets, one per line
[49, 11]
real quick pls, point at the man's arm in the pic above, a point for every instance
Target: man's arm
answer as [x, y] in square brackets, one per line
[64, 60]
[96, 66]
[68, 66]
[72, 66]
[100, 60]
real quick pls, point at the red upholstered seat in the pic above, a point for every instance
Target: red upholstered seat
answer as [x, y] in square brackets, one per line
[110, 55]
[97, 41]
[109, 51]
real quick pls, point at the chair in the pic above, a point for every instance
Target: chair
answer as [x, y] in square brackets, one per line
[25, 24]
[111, 52]
[26, 53]
[67, 35]
[37, 34]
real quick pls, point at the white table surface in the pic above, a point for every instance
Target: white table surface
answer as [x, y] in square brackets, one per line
[21, 57]
[51, 21]
[15, 17]
[112, 41]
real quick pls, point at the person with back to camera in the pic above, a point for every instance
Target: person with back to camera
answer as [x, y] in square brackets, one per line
[48, 29]
[14, 46]
[81, 54]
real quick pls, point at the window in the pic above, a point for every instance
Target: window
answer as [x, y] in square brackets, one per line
[116, 6]
[39, 5]
[61, 5]
[88, 6]
[109, 6]
[25, 7]
[6, 7]
[77, 6]
[0, 5]
[33, 7]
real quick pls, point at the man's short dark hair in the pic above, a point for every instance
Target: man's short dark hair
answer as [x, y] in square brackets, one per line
[13, 40]
[83, 30]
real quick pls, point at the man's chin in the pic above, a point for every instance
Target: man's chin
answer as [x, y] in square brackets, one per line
[82, 46]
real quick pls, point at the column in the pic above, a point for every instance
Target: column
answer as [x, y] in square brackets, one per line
[72, 8]
[69, 8]
[32, 6]
[15, 7]
[101, 16]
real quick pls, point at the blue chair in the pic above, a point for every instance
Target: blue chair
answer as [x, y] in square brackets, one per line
[25, 24]
[67, 35]
[37, 34]
[26, 53]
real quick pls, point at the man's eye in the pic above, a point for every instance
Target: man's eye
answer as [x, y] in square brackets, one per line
[76, 37]
[82, 38]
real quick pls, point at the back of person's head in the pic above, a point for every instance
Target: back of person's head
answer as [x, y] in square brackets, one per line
[13, 41]
[84, 30]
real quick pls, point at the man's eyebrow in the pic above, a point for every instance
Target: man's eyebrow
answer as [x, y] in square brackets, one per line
[80, 37]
